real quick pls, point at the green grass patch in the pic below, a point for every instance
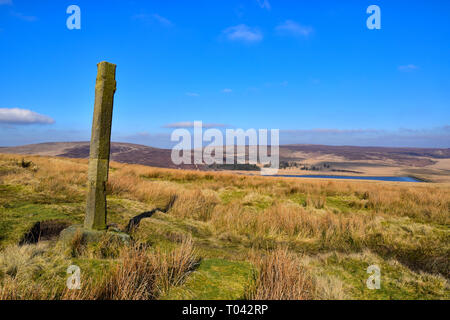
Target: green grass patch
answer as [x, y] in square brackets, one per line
[228, 195]
[215, 279]
[16, 221]
[397, 281]
[298, 198]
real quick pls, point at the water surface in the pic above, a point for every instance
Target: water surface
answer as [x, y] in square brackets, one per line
[401, 179]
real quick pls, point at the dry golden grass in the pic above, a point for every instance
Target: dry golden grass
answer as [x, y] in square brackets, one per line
[137, 274]
[141, 275]
[281, 277]
[428, 202]
[174, 266]
[295, 222]
[18, 265]
[133, 279]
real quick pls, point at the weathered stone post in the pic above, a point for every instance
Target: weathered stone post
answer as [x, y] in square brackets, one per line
[105, 88]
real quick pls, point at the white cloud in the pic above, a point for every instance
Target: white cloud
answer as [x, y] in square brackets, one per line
[293, 28]
[189, 124]
[243, 33]
[23, 116]
[192, 94]
[407, 68]
[226, 90]
[264, 4]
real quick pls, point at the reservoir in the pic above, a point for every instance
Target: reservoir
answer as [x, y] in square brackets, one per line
[401, 179]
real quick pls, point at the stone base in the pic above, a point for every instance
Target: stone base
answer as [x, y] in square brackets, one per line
[90, 236]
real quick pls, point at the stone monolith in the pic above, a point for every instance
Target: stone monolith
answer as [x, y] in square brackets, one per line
[105, 88]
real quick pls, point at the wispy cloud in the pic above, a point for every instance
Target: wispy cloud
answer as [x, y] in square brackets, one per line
[293, 28]
[190, 124]
[23, 116]
[158, 139]
[164, 21]
[15, 135]
[433, 137]
[332, 131]
[227, 90]
[5, 2]
[276, 84]
[192, 94]
[438, 137]
[23, 17]
[264, 4]
[155, 18]
[408, 68]
[243, 33]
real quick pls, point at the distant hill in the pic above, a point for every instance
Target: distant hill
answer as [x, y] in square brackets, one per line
[341, 157]
[401, 156]
[120, 152]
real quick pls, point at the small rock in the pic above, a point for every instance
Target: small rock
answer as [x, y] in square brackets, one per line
[89, 236]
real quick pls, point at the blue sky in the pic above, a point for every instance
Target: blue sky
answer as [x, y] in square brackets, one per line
[309, 68]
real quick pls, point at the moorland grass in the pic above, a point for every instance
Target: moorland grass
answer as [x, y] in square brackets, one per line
[261, 237]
